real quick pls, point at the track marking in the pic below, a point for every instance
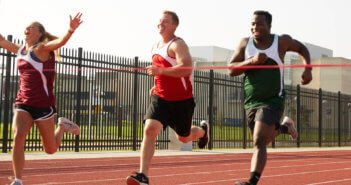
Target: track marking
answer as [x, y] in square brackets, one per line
[192, 166]
[212, 172]
[326, 182]
[269, 176]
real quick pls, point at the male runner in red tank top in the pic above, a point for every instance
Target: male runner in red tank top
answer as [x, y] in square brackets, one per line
[172, 96]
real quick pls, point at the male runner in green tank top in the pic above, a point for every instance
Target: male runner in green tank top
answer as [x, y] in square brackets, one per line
[264, 101]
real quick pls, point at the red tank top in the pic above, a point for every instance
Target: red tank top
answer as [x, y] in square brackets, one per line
[166, 87]
[36, 80]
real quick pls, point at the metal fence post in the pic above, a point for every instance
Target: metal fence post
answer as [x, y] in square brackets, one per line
[298, 116]
[135, 103]
[339, 118]
[244, 117]
[210, 110]
[320, 112]
[273, 144]
[79, 92]
[7, 99]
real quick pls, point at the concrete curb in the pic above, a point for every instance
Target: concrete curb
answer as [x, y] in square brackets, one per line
[108, 154]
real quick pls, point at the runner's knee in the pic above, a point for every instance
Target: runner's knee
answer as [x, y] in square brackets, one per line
[152, 130]
[260, 142]
[19, 138]
[50, 150]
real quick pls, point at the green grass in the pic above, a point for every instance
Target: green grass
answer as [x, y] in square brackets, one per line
[220, 133]
[2, 130]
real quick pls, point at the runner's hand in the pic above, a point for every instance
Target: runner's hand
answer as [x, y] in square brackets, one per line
[259, 58]
[75, 22]
[154, 70]
[306, 77]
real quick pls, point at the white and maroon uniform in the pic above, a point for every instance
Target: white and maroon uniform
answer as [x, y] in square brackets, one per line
[36, 80]
[166, 87]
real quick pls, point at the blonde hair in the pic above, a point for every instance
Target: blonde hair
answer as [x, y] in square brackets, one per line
[46, 36]
[174, 16]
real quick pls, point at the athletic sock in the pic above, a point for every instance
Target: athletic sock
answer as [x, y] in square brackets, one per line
[19, 181]
[254, 177]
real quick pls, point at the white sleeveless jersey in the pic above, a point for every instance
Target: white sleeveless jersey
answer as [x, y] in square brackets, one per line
[264, 86]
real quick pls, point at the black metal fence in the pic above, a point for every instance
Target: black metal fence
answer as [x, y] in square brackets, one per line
[107, 97]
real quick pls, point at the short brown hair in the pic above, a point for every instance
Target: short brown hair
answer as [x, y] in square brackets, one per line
[174, 16]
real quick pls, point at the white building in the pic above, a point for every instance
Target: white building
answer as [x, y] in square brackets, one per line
[211, 53]
[206, 56]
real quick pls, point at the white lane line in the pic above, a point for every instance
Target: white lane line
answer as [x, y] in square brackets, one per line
[326, 182]
[207, 182]
[207, 173]
[160, 168]
[163, 163]
[269, 176]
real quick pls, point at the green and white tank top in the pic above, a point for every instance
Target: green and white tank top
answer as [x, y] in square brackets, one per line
[264, 86]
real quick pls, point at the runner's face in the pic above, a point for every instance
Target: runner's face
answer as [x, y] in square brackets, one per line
[166, 24]
[259, 26]
[32, 33]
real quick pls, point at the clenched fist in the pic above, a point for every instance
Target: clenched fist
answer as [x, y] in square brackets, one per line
[259, 58]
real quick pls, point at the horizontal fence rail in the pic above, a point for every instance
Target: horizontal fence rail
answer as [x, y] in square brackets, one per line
[108, 99]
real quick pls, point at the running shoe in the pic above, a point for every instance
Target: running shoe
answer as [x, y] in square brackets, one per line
[206, 138]
[138, 179]
[291, 127]
[70, 127]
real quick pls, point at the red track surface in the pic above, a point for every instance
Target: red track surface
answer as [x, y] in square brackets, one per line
[288, 168]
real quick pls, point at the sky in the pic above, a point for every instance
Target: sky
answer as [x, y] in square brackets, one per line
[129, 27]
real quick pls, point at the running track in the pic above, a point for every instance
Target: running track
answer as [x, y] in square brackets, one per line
[284, 168]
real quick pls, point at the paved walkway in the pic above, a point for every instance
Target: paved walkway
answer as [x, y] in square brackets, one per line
[106, 154]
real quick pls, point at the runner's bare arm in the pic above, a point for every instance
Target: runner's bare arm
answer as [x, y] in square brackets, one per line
[238, 59]
[183, 58]
[8, 45]
[59, 42]
[290, 44]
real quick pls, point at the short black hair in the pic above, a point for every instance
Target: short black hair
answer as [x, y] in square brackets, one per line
[266, 14]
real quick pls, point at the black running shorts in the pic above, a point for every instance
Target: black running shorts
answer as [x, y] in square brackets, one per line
[176, 114]
[37, 113]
